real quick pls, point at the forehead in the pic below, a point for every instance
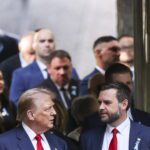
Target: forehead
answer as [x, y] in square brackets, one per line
[109, 44]
[108, 94]
[126, 41]
[44, 34]
[122, 77]
[60, 61]
[41, 99]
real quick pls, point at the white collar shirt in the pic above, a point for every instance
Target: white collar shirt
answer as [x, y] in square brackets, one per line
[102, 71]
[31, 134]
[22, 60]
[122, 136]
[61, 94]
[43, 69]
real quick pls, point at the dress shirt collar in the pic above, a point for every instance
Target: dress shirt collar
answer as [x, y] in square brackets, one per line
[41, 65]
[129, 114]
[30, 132]
[120, 128]
[100, 70]
[22, 60]
[59, 87]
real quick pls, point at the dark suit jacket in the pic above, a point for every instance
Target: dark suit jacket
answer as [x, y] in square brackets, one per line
[73, 88]
[17, 139]
[140, 116]
[93, 139]
[8, 66]
[84, 82]
[9, 46]
[24, 79]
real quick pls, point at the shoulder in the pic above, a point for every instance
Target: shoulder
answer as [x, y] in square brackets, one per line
[87, 77]
[58, 142]
[6, 136]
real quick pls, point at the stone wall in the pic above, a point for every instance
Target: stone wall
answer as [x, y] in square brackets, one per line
[75, 23]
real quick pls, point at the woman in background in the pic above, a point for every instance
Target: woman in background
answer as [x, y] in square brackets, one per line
[7, 109]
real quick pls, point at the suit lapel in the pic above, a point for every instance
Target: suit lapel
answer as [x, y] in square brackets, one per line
[23, 140]
[134, 132]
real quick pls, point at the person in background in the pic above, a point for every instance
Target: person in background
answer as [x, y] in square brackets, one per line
[106, 51]
[82, 108]
[32, 75]
[7, 109]
[121, 73]
[36, 113]
[126, 57]
[118, 131]
[60, 81]
[25, 56]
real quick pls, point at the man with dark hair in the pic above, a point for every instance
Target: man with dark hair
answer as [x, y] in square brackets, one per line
[121, 73]
[118, 132]
[60, 78]
[60, 81]
[36, 113]
[106, 52]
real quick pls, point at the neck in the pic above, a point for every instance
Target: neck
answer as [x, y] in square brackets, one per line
[119, 121]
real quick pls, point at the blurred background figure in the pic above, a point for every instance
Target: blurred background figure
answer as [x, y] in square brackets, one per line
[106, 51]
[7, 109]
[25, 56]
[127, 51]
[82, 109]
[8, 45]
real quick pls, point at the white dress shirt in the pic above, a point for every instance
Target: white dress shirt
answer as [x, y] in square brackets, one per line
[22, 60]
[32, 135]
[102, 71]
[43, 69]
[61, 94]
[122, 136]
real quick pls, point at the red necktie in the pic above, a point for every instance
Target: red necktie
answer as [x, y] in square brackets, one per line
[113, 143]
[39, 144]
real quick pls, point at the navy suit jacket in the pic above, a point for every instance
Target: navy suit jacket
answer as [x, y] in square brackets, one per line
[24, 79]
[140, 116]
[84, 82]
[8, 66]
[93, 139]
[17, 139]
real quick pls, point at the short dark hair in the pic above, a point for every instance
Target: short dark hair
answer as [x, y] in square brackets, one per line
[116, 68]
[59, 54]
[104, 39]
[123, 91]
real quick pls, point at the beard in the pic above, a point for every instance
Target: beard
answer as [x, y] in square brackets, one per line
[111, 117]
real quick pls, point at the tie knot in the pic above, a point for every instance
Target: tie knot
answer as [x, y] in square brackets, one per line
[38, 137]
[114, 131]
[63, 88]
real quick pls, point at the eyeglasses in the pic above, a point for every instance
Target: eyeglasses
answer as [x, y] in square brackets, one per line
[127, 47]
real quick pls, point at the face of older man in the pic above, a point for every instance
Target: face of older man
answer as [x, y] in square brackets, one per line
[60, 70]
[43, 113]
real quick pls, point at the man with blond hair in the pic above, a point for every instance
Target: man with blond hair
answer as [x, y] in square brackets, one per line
[36, 113]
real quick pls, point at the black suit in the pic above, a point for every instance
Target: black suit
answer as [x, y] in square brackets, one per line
[73, 88]
[73, 91]
[140, 116]
[8, 66]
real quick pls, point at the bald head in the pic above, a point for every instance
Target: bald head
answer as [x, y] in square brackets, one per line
[43, 44]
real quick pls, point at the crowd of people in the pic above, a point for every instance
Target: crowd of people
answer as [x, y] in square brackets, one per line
[44, 105]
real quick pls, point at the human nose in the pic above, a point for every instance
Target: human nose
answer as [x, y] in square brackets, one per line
[62, 71]
[53, 111]
[101, 106]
